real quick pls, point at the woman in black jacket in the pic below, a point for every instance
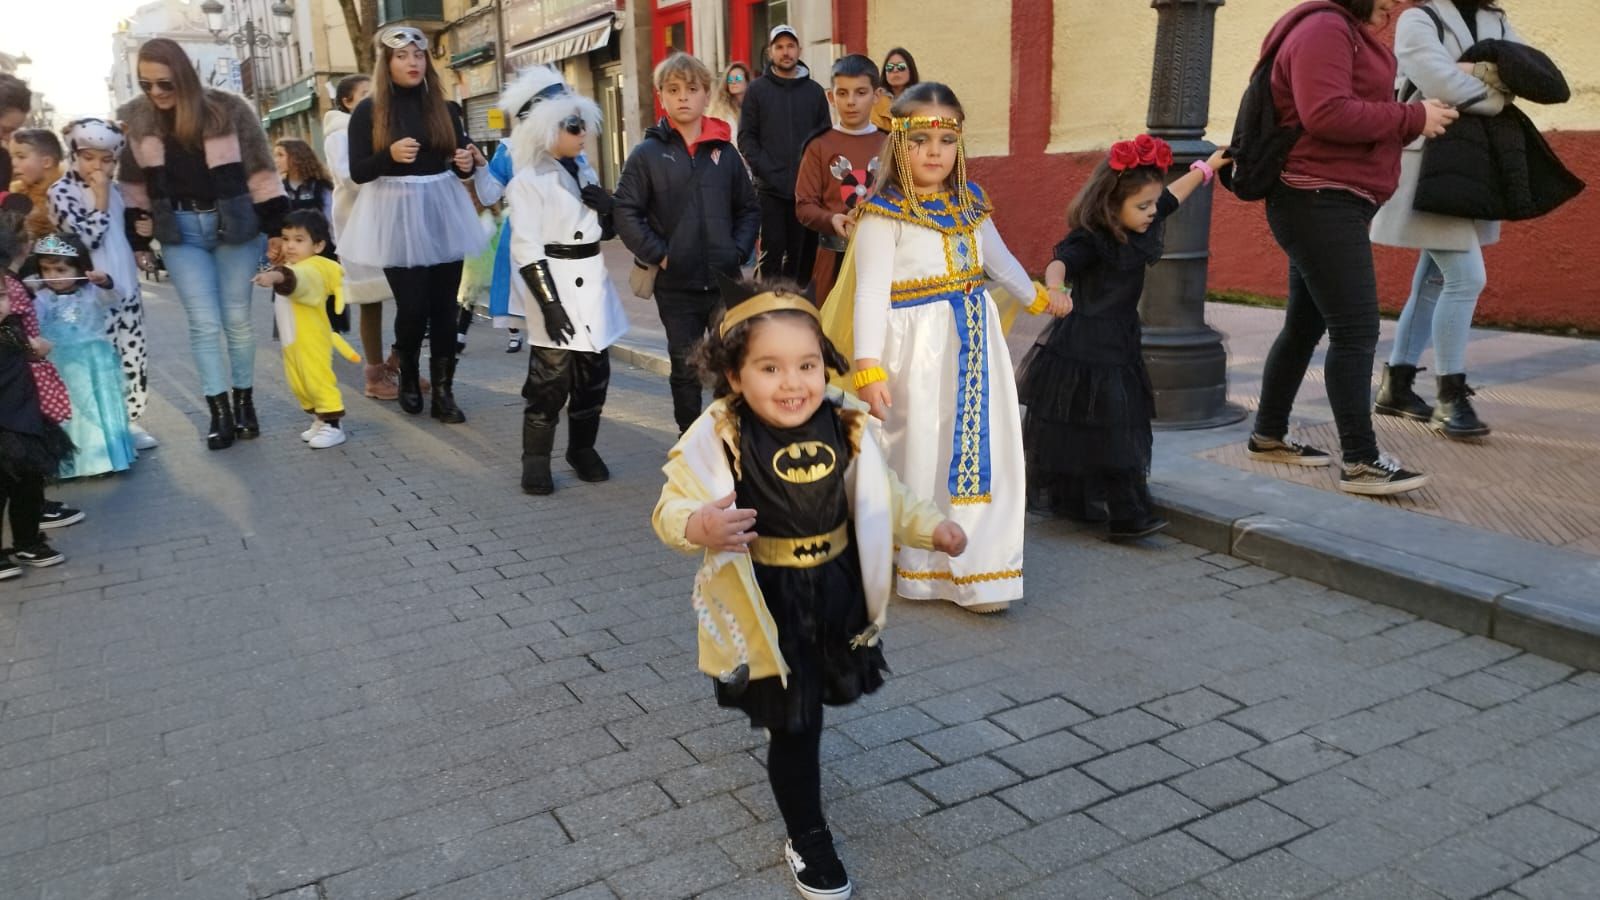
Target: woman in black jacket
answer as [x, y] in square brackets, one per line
[413, 218]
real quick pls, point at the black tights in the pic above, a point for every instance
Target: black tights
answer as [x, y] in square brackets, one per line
[24, 498]
[425, 302]
[795, 771]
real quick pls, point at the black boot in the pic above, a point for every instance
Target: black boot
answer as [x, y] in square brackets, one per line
[442, 370]
[410, 390]
[221, 434]
[537, 439]
[1454, 416]
[244, 413]
[581, 454]
[1396, 397]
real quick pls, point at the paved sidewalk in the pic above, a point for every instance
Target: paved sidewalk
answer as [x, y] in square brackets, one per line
[381, 672]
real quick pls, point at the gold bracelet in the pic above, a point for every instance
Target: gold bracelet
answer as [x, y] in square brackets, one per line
[870, 376]
[1041, 301]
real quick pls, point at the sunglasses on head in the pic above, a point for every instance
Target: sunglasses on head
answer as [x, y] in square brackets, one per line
[895, 67]
[164, 85]
[395, 38]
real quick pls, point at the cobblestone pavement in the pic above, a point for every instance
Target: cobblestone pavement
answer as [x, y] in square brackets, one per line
[381, 672]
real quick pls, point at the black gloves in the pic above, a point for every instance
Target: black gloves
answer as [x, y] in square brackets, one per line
[557, 325]
[598, 199]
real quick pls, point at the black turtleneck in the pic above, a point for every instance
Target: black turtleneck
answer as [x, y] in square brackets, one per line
[368, 163]
[1469, 11]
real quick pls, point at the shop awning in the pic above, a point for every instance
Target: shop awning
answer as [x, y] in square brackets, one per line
[579, 39]
[472, 57]
[290, 108]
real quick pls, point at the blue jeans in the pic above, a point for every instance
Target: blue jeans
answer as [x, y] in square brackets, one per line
[1444, 293]
[213, 283]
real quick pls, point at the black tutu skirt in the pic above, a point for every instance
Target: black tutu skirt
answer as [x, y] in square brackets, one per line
[817, 611]
[1086, 432]
[25, 456]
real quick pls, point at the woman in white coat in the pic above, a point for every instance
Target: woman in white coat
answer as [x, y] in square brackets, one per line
[559, 214]
[1429, 39]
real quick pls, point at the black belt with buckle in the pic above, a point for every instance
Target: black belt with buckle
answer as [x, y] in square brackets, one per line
[195, 205]
[571, 251]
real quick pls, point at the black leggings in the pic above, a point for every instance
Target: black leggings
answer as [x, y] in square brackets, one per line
[24, 498]
[425, 303]
[1333, 288]
[795, 771]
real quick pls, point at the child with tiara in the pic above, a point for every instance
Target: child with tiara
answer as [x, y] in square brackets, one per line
[1087, 435]
[783, 484]
[87, 202]
[71, 299]
[930, 352]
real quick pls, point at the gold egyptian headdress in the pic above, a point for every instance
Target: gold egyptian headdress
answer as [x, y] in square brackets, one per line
[962, 203]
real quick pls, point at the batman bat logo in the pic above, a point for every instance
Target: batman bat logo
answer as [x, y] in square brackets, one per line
[805, 462]
[817, 550]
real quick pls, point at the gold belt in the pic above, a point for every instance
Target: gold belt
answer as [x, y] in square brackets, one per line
[801, 552]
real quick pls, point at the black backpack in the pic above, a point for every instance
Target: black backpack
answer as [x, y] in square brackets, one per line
[1261, 144]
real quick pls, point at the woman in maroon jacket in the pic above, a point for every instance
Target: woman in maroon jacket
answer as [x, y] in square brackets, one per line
[1335, 79]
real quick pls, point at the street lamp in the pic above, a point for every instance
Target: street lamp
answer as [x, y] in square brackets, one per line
[1187, 363]
[249, 38]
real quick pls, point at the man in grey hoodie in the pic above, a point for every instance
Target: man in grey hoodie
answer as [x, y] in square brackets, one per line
[782, 110]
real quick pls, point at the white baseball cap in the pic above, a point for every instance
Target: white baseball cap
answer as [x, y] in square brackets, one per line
[780, 31]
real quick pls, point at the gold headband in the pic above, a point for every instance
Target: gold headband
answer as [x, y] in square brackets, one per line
[761, 304]
[917, 123]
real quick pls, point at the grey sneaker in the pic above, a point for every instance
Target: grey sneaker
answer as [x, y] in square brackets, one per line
[1286, 452]
[1380, 477]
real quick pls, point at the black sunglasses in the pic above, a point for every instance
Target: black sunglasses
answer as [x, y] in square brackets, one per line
[895, 67]
[574, 125]
[165, 85]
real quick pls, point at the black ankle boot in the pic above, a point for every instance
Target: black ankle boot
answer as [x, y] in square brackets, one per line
[1454, 416]
[221, 433]
[410, 390]
[581, 454]
[443, 372]
[244, 413]
[537, 439]
[1396, 396]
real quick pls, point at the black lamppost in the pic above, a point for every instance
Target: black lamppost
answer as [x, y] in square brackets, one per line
[1188, 365]
[250, 39]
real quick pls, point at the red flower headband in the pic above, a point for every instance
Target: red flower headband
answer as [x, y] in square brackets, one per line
[1143, 150]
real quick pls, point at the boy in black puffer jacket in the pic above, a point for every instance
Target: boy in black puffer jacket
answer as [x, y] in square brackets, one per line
[685, 204]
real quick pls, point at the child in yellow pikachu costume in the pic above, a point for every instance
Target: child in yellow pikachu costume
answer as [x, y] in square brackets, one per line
[303, 284]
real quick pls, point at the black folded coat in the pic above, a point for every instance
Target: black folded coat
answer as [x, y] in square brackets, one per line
[1500, 168]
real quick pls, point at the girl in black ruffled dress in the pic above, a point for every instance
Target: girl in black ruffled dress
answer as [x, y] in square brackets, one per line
[1086, 435]
[31, 448]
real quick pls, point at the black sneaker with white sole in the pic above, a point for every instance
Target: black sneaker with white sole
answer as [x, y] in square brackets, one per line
[1286, 452]
[1380, 477]
[9, 569]
[818, 873]
[59, 515]
[38, 556]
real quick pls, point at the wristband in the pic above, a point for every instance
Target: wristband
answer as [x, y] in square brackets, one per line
[1206, 171]
[1041, 301]
[870, 376]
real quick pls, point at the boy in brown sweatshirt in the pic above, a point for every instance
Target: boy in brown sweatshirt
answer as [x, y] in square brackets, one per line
[838, 167]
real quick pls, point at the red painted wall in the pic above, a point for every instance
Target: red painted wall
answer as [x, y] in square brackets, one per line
[1536, 274]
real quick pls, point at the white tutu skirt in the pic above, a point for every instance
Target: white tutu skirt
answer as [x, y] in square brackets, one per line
[412, 220]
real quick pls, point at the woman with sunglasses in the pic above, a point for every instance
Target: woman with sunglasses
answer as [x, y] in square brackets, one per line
[728, 97]
[410, 152]
[198, 176]
[899, 73]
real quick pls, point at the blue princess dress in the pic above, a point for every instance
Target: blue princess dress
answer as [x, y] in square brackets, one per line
[76, 324]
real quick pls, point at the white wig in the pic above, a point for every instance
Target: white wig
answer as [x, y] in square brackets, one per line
[538, 102]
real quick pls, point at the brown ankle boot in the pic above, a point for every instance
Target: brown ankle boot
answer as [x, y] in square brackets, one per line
[381, 383]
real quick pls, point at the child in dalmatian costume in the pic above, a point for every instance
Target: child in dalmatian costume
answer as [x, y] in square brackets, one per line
[87, 202]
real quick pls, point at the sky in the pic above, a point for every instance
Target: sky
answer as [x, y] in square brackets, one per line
[70, 61]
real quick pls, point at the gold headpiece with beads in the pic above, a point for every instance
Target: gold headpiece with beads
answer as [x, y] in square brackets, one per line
[53, 245]
[963, 203]
[761, 304]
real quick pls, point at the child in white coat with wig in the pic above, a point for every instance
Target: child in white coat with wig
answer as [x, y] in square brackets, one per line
[559, 214]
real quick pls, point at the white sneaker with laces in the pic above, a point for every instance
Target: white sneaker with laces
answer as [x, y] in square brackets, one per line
[309, 433]
[328, 436]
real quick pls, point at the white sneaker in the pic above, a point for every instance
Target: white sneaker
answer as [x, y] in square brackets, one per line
[309, 433]
[142, 440]
[327, 436]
